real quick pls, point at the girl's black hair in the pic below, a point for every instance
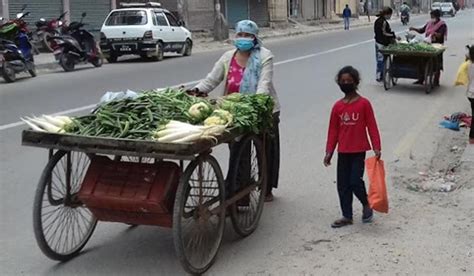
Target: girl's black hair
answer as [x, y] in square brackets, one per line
[385, 11]
[351, 71]
[471, 52]
[436, 13]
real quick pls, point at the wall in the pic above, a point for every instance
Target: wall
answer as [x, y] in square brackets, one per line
[278, 11]
[201, 14]
[341, 4]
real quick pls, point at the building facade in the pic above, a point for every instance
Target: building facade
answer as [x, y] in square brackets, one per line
[96, 10]
[310, 9]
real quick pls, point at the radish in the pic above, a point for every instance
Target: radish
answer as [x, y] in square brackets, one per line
[45, 125]
[176, 136]
[55, 121]
[33, 126]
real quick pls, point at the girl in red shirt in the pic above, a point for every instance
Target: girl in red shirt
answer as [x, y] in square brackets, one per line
[352, 118]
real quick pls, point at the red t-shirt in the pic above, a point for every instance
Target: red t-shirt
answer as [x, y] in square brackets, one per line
[234, 77]
[349, 125]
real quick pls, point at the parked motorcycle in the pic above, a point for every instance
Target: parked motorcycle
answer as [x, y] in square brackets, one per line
[75, 46]
[16, 59]
[16, 48]
[46, 29]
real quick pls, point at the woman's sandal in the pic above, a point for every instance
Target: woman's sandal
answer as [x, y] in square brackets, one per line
[341, 223]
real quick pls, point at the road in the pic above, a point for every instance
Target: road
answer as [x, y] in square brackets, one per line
[294, 237]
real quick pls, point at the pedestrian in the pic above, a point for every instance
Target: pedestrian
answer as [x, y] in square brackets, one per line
[466, 77]
[248, 69]
[346, 14]
[352, 118]
[436, 31]
[384, 36]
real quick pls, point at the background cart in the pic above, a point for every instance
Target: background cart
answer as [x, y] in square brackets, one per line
[411, 65]
[181, 186]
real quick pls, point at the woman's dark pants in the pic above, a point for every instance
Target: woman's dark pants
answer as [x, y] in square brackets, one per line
[272, 149]
[471, 132]
[350, 173]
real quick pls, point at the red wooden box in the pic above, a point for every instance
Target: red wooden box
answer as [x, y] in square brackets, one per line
[129, 192]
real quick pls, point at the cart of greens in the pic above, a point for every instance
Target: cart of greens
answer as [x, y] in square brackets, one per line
[169, 116]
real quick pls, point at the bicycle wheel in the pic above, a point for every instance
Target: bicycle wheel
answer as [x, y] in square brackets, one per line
[199, 215]
[248, 169]
[62, 224]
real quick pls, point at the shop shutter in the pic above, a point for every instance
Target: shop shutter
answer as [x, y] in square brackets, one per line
[97, 11]
[46, 9]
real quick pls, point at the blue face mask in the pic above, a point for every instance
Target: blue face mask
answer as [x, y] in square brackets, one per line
[244, 44]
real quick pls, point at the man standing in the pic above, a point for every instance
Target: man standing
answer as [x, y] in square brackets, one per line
[346, 14]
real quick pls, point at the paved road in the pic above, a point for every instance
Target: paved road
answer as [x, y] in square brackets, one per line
[306, 202]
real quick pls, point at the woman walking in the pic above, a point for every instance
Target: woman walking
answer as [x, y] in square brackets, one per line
[248, 70]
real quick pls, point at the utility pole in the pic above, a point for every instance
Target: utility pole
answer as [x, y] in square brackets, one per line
[221, 28]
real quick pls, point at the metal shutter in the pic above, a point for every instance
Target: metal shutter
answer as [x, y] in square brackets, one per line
[259, 12]
[46, 9]
[236, 10]
[97, 11]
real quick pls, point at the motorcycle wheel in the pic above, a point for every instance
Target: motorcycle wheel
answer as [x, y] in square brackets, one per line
[67, 63]
[48, 45]
[32, 69]
[8, 73]
[98, 61]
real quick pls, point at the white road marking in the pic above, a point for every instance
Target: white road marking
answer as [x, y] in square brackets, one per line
[69, 111]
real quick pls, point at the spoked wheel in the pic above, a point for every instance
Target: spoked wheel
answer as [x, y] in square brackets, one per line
[388, 80]
[429, 77]
[199, 214]
[62, 224]
[248, 174]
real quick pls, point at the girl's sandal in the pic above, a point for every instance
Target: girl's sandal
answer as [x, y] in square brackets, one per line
[341, 223]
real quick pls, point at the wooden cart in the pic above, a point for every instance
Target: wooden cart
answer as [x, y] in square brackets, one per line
[411, 65]
[64, 221]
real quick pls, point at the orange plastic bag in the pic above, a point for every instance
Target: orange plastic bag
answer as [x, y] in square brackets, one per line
[378, 198]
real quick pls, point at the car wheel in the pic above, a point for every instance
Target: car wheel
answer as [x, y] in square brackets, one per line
[112, 59]
[159, 52]
[187, 48]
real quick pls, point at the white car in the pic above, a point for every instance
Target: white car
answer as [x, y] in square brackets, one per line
[447, 8]
[143, 29]
[436, 6]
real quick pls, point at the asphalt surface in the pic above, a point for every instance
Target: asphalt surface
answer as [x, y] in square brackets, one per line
[306, 201]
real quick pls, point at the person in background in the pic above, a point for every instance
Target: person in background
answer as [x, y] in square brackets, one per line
[405, 10]
[466, 77]
[248, 69]
[346, 14]
[352, 117]
[384, 36]
[436, 31]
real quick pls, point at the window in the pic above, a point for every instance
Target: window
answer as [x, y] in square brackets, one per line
[172, 20]
[127, 18]
[160, 17]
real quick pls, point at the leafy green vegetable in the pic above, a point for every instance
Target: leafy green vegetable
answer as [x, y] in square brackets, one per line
[414, 47]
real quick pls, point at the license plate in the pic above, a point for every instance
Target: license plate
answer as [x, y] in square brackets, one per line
[125, 48]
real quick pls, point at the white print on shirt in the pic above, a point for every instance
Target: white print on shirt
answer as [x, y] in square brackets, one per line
[349, 120]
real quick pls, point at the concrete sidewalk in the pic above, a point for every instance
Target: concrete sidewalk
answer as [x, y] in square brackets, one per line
[203, 42]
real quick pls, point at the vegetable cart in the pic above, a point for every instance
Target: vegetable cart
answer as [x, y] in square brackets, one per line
[139, 182]
[411, 65]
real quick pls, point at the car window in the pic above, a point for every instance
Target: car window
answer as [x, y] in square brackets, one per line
[160, 17]
[127, 18]
[172, 20]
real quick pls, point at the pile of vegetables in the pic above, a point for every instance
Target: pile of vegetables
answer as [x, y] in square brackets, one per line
[413, 47]
[169, 116]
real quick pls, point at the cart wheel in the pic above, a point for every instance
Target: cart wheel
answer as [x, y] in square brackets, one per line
[429, 77]
[199, 214]
[248, 169]
[388, 80]
[62, 224]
